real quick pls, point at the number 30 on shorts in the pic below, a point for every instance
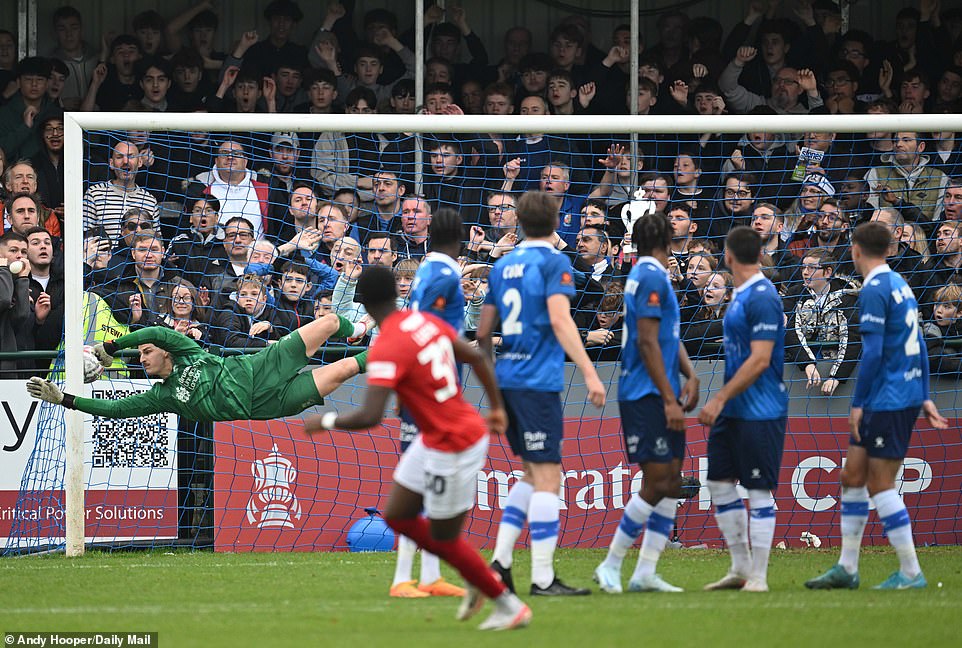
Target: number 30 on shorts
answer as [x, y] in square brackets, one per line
[435, 484]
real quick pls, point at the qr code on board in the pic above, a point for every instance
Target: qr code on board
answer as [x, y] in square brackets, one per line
[140, 442]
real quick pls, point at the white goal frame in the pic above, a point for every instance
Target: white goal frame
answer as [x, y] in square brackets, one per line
[75, 123]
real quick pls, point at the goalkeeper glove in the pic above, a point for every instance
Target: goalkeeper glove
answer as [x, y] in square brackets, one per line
[362, 328]
[106, 360]
[44, 390]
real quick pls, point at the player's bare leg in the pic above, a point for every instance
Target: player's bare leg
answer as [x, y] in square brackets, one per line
[443, 538]
[330, 377]
[316, 333]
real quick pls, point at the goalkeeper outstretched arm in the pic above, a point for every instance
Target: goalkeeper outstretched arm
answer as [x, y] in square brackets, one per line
[143, 404]
[177, 344]
[129, 407]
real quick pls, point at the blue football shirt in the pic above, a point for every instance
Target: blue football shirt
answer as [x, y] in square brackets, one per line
[755, 313]
[648, 293]
[519, 287]
[437, 289]
[888, 308]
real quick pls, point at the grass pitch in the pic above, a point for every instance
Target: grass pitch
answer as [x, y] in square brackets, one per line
[340, 599]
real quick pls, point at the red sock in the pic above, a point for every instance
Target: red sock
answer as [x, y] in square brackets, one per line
[457, 553]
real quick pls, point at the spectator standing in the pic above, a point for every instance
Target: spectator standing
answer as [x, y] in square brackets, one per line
[283, 16]
[75, 53]
[48, 162]
[105, 203]
[15, 311]
[27, 107]
[236, 187]
[46, 292]
[822, 323]
[115, 86]
[906, 180]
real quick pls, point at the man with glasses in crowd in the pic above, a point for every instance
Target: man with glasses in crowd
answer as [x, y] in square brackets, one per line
[236, 187]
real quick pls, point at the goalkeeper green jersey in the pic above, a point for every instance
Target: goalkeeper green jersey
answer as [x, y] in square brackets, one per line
[206, 387]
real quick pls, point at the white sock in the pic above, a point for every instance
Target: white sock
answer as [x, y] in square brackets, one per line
[762, 530]
[405, 559]
[512, 522]
[633, 521]
[854, 519]
[430, 567]
[660, 525]
[543, 525]
[898, 528]
[732, 519]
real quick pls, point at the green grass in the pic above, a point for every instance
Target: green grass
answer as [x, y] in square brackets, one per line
[340, 599]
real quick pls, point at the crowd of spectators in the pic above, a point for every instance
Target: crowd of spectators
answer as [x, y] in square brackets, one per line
[236, 239]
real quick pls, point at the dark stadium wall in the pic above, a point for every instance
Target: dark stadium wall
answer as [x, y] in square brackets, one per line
[488, 18]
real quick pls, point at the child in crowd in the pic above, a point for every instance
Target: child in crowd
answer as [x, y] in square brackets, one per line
[247, 323]
[292, 306]
[943, 328]
[404, 275]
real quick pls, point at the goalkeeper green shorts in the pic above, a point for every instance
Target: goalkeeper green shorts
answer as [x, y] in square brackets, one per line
[280, 387]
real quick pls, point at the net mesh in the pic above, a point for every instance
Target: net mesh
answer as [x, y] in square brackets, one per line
[236, 239]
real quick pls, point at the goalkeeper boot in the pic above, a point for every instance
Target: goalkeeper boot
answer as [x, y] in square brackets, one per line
[651, 583]
[505, 574]
[899, 581]
[441, 587]
[729, 581]
[834, 578]
[608, 579]
[407, 589]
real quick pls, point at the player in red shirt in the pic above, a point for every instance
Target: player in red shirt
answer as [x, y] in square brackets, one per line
[414, 355]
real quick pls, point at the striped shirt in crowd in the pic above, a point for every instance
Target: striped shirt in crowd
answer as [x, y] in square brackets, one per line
[105, 205]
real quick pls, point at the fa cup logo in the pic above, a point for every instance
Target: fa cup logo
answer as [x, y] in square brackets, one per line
[631, 212]
[272, 502]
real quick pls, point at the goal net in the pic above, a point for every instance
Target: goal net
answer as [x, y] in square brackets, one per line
[235, 229]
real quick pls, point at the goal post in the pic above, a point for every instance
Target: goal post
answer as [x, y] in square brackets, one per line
[78, 124]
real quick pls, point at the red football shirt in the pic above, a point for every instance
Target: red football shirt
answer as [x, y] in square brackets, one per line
[414, 356]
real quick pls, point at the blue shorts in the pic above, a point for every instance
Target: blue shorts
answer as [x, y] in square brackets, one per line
[749, 451]
[535, 424]
[647, 437]
[886, 435]
[409, 429]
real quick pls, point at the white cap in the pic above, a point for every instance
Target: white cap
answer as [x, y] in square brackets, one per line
[285, 139]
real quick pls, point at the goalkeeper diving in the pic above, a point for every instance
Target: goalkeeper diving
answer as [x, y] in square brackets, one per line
[201, 386]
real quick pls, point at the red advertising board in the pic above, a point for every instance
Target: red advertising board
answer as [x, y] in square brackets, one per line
[278, 490]
[110, 515]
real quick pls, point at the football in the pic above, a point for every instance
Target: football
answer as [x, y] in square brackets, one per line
[92, 367]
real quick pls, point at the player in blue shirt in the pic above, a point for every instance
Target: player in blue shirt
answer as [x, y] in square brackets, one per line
[653, 406]
[892, 386]
[748, 416]
[530, 292]
[436, 289]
